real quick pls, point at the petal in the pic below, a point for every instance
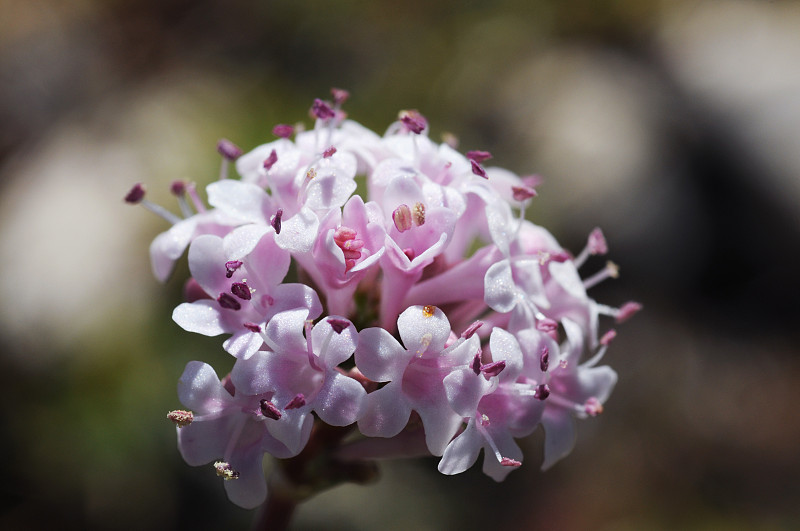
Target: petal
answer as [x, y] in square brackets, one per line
[340, 400]
[243, 344]
[559, 435]
[284, 331]
[244, 201]
[199, 388]
[379, 356]
[299, 232]
[202, 317]
[386, 412]
[418, 326]
[207, 263]
[500, 291]
[462, 452]
[333, 347]
[464, 389]
[441, 424]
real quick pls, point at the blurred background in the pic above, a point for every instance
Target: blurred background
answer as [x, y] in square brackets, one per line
[673, 125]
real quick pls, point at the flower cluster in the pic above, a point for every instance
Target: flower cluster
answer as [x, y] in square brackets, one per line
[384, 283]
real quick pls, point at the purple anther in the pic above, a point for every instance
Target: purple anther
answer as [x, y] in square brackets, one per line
[522, 193]
[410, 253]
[228, 149]
[628, 310]
[322, 110]
[252, 327]
[275, 221]
[494, 368]
[479, 156]
[328, 153]
[338, 325]
[178, 188]
[241, 290]
[135, 195]
[181, 417]
[507, 461]
[339, 95]
[608, 337]
[402, 218]
[231, 267]
[546, 325]
[476, 363]
[283, 130]
[471, 329]
[597, 242]
[298, 401]
[413, 121]
[544, 359]
[269, 410]
[271, 160]
[227, 301]
[478, 170]
[542, 391]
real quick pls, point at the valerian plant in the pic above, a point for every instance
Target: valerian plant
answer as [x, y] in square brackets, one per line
[426, 316]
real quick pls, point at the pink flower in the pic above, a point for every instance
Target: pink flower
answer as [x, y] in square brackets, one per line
[415, 372]
[230, 427]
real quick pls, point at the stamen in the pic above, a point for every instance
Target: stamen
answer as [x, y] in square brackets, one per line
[402, 218]
[283, 130]
[241, 290]
[593, 407]
[271, 160]
[269, 410]
[178, 188]
[478, 170]
[191, 189]
[418, 214]
[228, 149]
[338, 325]
[471, 329]
[310, 174]
[231, 267]
[339, 96]
[610, 271]
[297, 402]
[136, 194]
[428, 310]
[328, 152]
[228, 302]
[413, 121]
[522, 193]
[321, 110]
[544, 359]
[627, 310]
[494, 368]
[479, 156]
[596, 244]
[225, 471]
[275, 221]
[476, 363]
[181, 417]
[507, 461]
[542, 391]
[252, 327]
[608, 337]
[410, 253]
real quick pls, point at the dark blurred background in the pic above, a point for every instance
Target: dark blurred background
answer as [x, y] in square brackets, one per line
[674, 126]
